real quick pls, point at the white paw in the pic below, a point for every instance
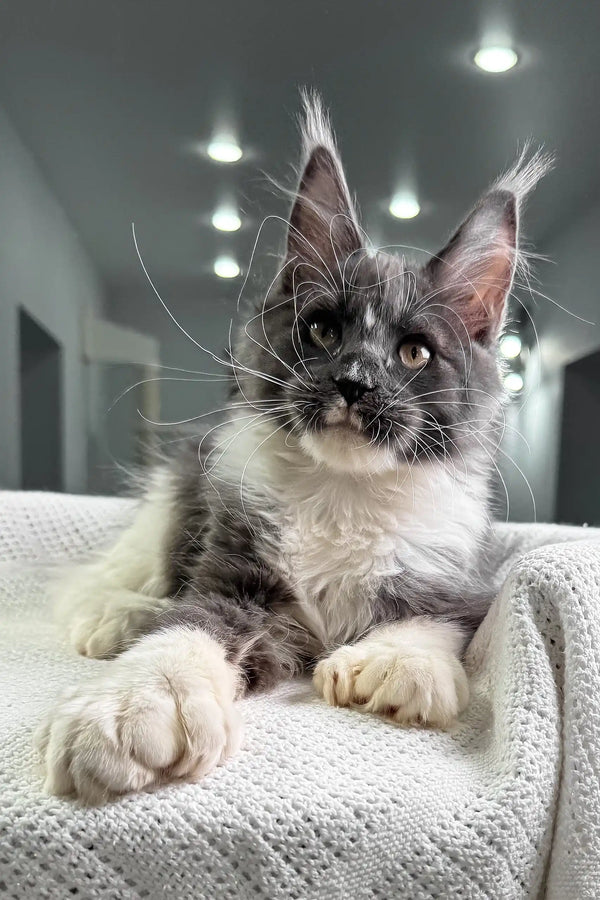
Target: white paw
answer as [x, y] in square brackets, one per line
[102, 620]
[410, 685]
[164, 710]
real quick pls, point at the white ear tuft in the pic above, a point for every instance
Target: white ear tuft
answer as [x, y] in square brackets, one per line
[315, 126]
[475, 271]
[323, 228]
[524, 174]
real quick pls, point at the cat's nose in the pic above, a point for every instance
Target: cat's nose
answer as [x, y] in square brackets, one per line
[351, 389]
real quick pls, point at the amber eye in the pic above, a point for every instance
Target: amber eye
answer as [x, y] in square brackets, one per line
[324, 333]
[414, 353]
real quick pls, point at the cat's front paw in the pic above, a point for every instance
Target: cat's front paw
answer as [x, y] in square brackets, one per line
[411, 686]
[104, 629]
[101, 620]
[163, 711]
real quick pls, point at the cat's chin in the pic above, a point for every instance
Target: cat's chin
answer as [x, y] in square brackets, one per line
[344, 449]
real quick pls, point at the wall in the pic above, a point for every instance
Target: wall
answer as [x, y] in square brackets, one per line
[571, 280]
[189, 393]
[45, 269]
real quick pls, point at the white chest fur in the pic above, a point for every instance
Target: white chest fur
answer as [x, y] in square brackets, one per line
[342, 535]
[339, 534]
[336, 546]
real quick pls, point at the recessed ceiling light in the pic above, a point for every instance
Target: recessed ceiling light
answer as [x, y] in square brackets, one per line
[404, 206]
[226, 220]
[224, 150]
[510, 346]
[495, 59]
[513, 382]
[226, 267]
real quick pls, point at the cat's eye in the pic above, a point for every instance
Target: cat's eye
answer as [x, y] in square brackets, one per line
[324, 333]
[414, 354]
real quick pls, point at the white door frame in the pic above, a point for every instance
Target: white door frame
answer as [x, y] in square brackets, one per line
[112, 344]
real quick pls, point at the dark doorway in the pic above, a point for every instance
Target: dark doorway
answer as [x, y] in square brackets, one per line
[41, 413]
[578, 499]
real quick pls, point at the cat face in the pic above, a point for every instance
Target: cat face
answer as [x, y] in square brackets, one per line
[371, 364]
[381, 371]
[376, 371]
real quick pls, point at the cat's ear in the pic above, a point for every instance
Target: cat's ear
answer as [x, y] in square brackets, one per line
[474, 273]
[323, 228]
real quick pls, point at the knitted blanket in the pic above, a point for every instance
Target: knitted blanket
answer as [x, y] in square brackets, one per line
[323, 802]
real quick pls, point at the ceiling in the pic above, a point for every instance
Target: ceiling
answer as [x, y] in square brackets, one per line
[112, 96]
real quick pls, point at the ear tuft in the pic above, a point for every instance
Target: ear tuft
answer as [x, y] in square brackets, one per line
[474, 273]
[522, 177]
[315, 126]
[323, 229]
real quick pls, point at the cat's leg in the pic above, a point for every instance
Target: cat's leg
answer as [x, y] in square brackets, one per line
[165, 708]
[104, 605]
[409, 670]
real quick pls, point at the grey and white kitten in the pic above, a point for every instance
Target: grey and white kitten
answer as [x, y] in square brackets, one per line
[339, 521]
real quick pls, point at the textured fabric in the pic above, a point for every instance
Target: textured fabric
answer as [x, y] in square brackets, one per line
[322, 802]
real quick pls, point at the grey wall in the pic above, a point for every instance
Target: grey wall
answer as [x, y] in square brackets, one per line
[44, 269]
[183, 394]
[571, 280]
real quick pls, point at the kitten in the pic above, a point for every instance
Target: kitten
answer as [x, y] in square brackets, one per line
[340, 518]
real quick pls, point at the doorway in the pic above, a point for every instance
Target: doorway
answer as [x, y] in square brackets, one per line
[578, 496]
[41, 412]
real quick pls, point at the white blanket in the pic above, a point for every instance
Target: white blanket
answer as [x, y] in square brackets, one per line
[322, 802]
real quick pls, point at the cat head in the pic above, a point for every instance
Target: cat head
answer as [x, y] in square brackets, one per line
[371, 363]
